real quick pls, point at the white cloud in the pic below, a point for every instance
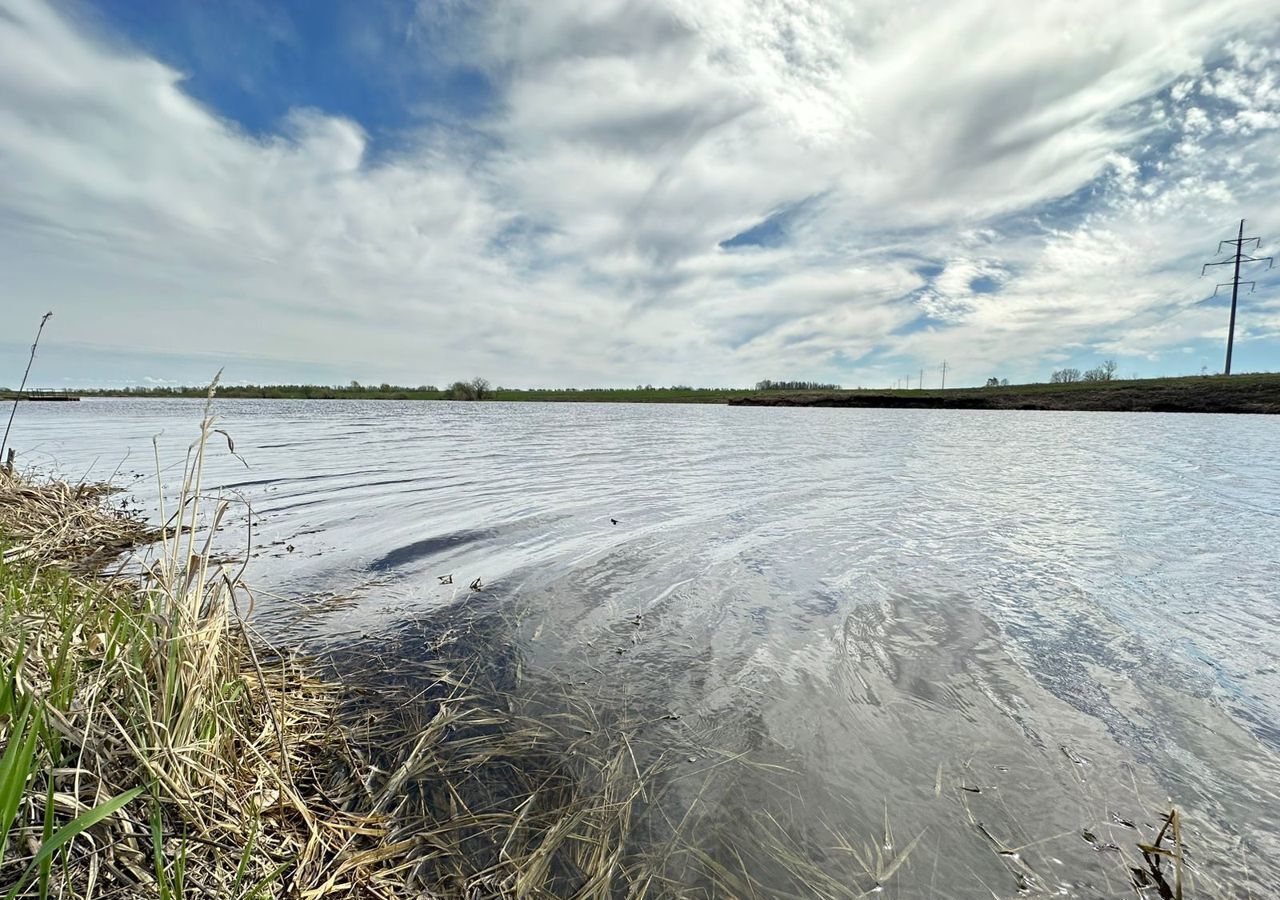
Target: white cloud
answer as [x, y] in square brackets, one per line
[573, 234]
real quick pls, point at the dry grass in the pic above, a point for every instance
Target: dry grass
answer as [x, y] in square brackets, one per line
[171, 752]
[64, 525]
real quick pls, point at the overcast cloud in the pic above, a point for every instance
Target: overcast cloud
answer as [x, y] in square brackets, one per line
[706, 193]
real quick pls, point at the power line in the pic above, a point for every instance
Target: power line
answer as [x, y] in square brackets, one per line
[1235, 282]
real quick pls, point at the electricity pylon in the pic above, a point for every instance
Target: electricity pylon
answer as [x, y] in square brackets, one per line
[1237, 258]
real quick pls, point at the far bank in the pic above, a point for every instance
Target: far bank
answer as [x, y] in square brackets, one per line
[1257, 394]
[1249, 393]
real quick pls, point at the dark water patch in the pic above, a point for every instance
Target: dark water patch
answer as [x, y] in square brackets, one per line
[429, 547]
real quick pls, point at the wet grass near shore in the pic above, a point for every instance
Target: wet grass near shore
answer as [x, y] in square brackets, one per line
[153, 745]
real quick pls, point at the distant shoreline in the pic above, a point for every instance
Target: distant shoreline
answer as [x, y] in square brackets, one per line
[1241, 394]
[1246, 394]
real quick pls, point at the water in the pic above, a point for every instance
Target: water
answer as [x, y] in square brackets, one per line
[1074, 614]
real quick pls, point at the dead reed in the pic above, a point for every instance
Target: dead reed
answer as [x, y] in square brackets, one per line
[54, 523]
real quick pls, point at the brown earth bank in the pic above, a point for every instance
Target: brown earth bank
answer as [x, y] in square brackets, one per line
[1258, 394]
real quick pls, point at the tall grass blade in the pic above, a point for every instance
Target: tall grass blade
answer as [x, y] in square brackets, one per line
[15, 768]
[70, 832]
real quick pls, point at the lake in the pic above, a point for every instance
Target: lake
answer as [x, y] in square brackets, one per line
[1001, 641]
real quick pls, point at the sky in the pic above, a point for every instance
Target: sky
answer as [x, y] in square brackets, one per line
[610, 193]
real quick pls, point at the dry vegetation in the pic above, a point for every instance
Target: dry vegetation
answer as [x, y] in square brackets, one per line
[52, 523]
[152, 746]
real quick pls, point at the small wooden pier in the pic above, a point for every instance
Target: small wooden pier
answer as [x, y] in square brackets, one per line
[40, 394]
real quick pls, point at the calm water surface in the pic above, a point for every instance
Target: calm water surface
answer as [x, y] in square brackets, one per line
[988, 630]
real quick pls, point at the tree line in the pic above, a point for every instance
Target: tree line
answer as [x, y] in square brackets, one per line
[768, 385]
[1106, 371]
[475, 389]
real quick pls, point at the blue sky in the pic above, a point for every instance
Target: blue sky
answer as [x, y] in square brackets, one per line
[611, 193]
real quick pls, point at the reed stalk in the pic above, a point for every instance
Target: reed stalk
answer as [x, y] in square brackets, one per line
[8, 465]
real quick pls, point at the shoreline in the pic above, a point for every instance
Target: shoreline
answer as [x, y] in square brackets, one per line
[1237, 394]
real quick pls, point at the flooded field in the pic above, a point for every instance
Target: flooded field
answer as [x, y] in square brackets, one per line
[932, 653]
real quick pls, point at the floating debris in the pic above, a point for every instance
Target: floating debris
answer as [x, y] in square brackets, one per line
[1073, 756]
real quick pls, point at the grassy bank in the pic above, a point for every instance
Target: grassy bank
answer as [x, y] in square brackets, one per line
[1257, 393]
[153, 747]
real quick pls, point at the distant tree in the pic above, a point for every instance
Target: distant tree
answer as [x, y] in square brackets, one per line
[355, 385]
[1004, 382]
[1104, 372]
[993, 382]
[475, 389]
[460, 390]
[1065, 376]
[385, 388]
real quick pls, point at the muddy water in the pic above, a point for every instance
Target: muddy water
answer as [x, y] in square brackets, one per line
[990, 639]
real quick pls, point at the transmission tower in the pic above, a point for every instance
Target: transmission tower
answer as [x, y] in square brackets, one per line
[1236, 259]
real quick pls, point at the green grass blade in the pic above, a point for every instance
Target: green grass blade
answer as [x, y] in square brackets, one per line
[246, 855]
[15, 769]
[70, 831]
[157, 851]
[45, 833]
